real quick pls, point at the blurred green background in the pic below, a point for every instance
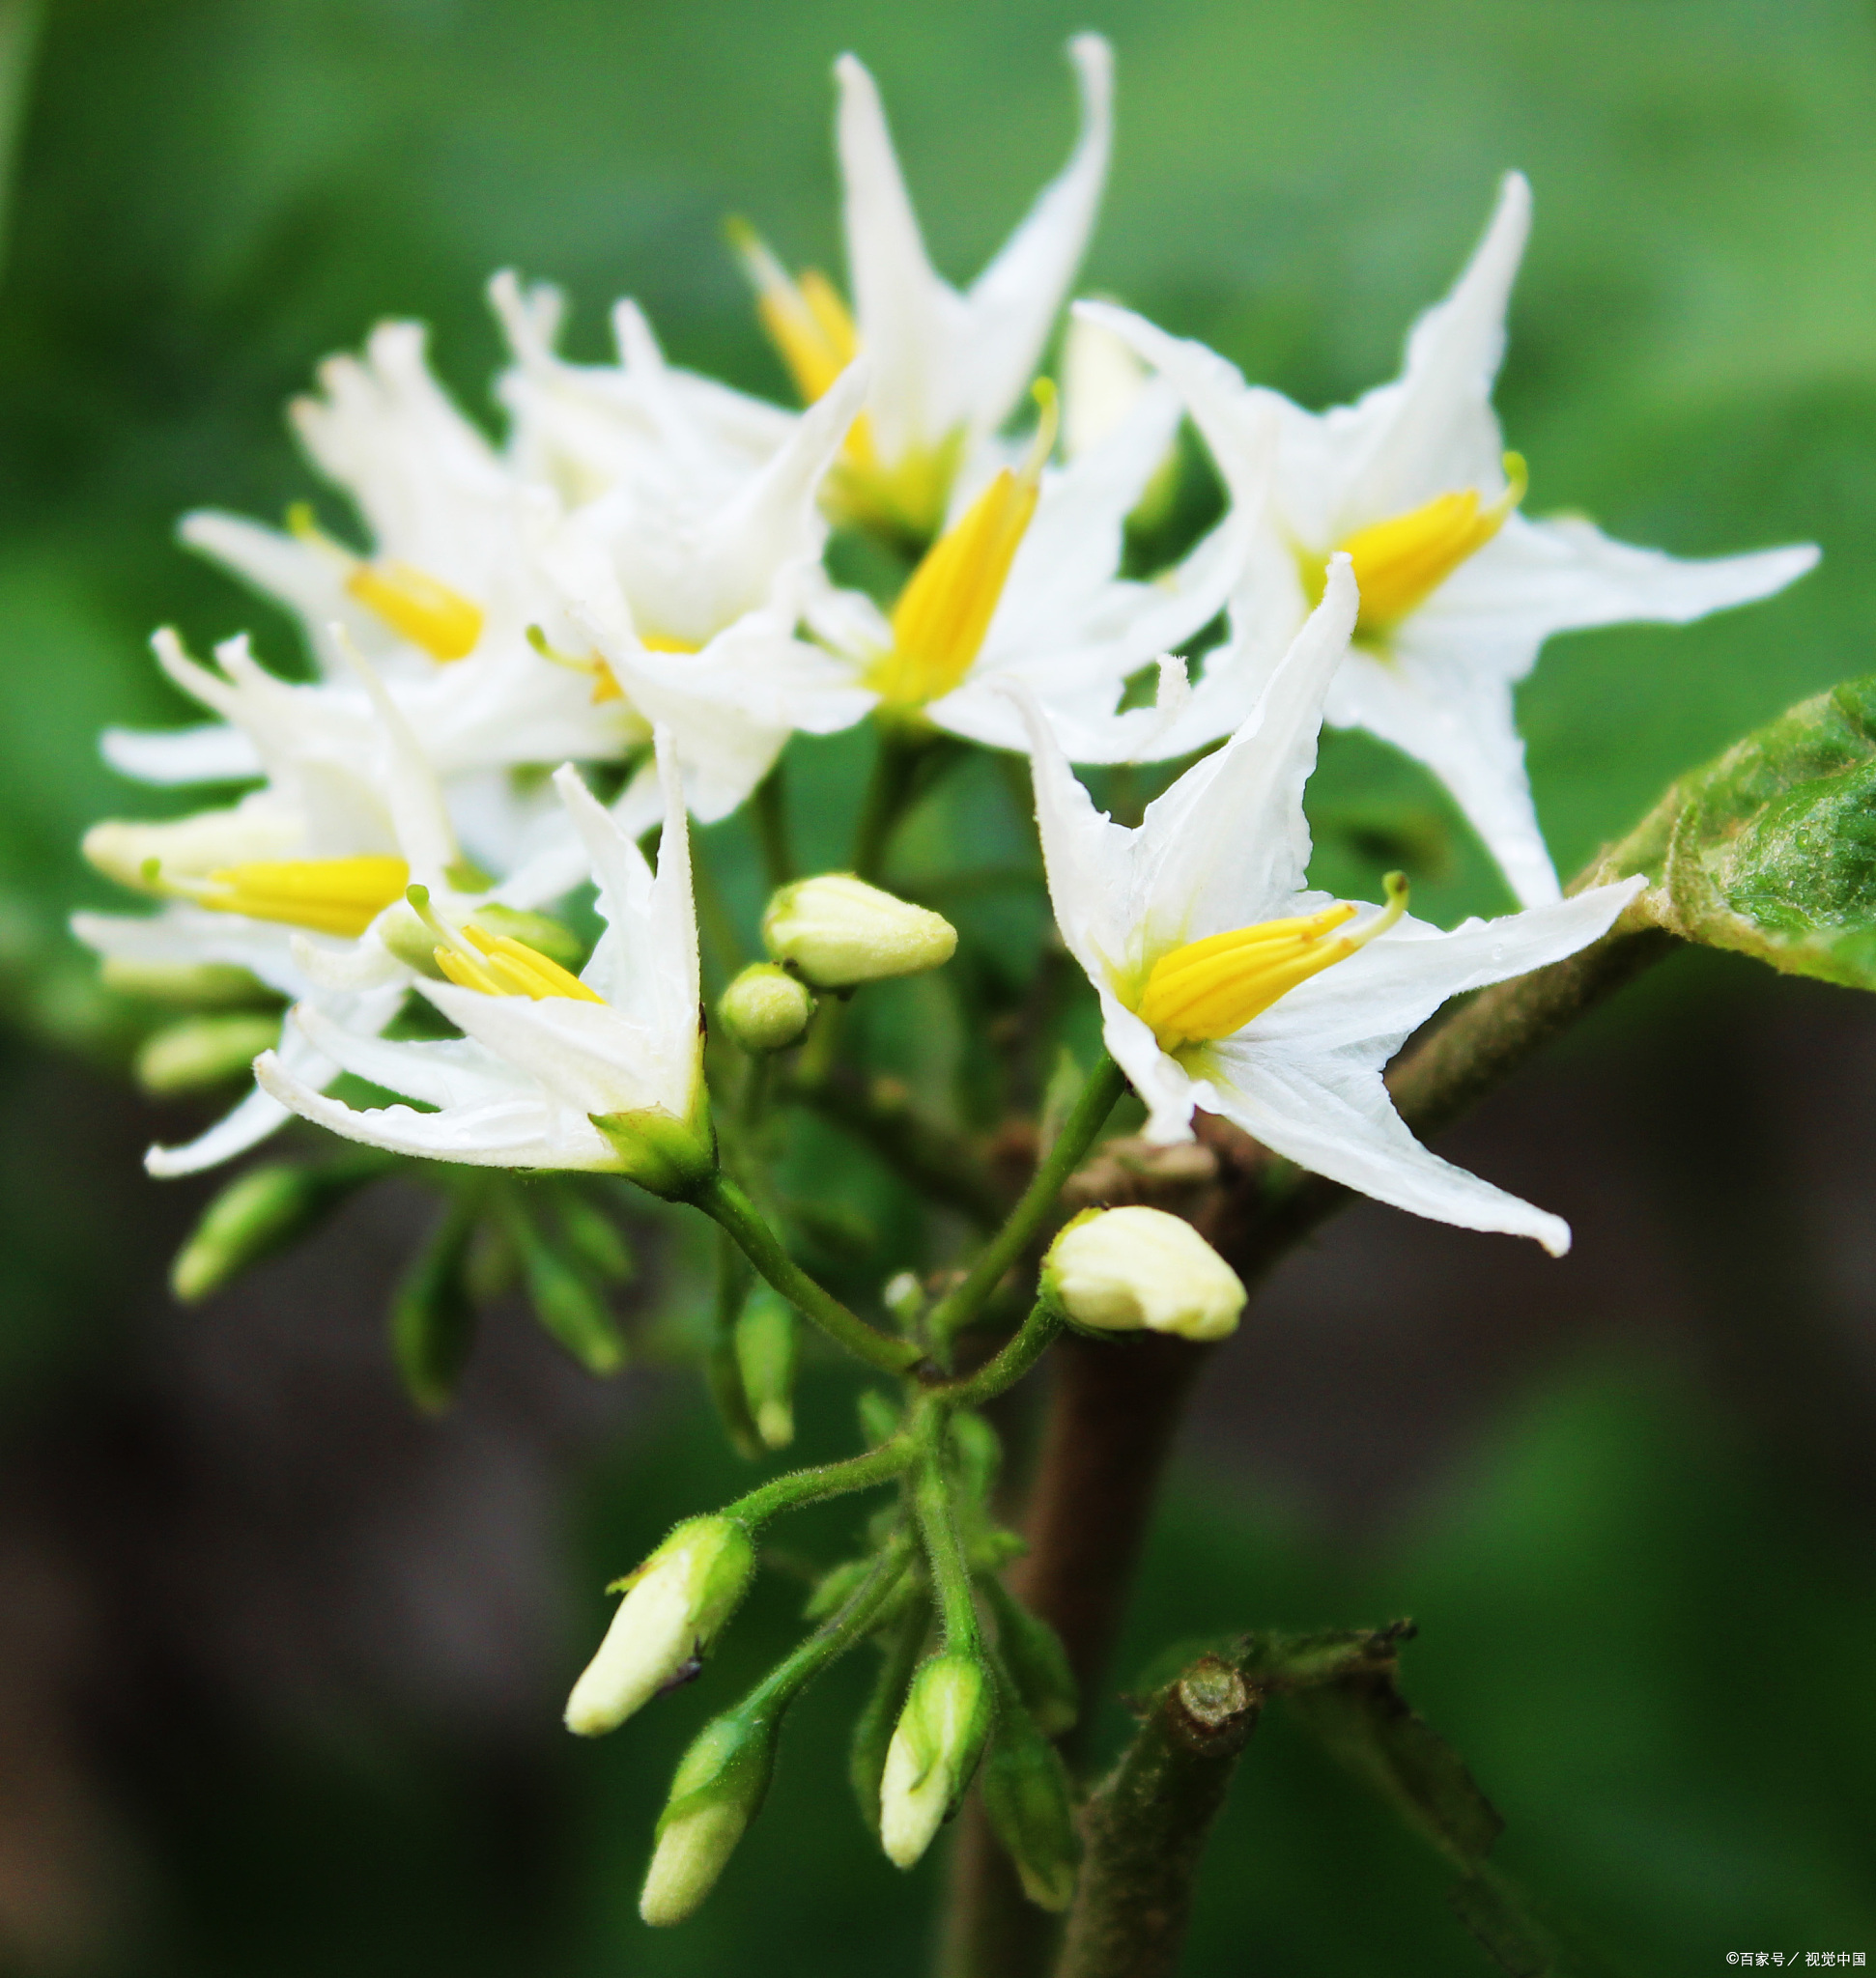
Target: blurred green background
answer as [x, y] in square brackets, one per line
[279, 1668]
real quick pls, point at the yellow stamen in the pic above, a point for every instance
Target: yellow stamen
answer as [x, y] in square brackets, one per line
[329, 896]
[496, 964]
[1401, 562]
[940, 620]
[1212, 988]
[412, 602]
[805, 320]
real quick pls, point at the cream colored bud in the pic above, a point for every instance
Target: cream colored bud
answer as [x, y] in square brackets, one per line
[203, 1051]
[935, 1748]
[1123, 1270]
[719, 1789]
[765, 1008]
[835, 930]
[676, 1605]
[133, 853]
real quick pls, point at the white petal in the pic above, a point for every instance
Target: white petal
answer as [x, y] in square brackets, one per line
[210, 753]
[1015, 300]
[1460, 721]
[910, 321]
[251, 1123]
[445, 1072]
[1333, 1116]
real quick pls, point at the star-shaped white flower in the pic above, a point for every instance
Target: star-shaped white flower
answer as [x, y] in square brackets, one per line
[1024, 588]
[442, 604]
[688, 567]
[603, 1071]
[1458, 590]
[1226, 987]
[948, 367]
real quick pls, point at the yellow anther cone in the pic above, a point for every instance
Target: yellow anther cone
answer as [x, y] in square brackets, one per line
[496, 964]
[940, 620]
[328, 895]
[1402, 561]
[1212, 988]
[420, 607]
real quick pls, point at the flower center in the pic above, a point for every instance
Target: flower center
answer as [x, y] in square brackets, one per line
[813, 332]
[1212, 988]
[1402, 561]
[329, 896]
[945, 610]
[496, 964]
[414, 604]
[606, 685]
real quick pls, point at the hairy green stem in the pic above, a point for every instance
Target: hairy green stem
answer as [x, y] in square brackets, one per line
[1030, 1342]
[800, 1488]
[931, 1505]
[725, 1204]
[1025, 1221]
[835, 1637]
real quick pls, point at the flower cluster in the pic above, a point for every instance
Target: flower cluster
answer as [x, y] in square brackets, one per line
[532, 658]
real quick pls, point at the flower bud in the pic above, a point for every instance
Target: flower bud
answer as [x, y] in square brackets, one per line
[765, 1008]
[837, 930]
[717, 1790]
[203, 1051]
[1119, 1270]
[1031, 1811]
[261, 1212]
[674, 1607]
[1036, 1661]
[767, 1345]
[206, 985]
[934, 1750]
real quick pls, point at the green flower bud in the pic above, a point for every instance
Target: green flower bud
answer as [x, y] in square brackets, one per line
[433, 1316]
[569, 1309]
[1036, 1661]
[1030, 1810]
[935, 1748]
[768, 1342]
[260, 1212]
[1122, 1270]
[765, 1008]
[835, 930]
[717, 1790]
[212, 984]
[676, 1605]
[203, 1051]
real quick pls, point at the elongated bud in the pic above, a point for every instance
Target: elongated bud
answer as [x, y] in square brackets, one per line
[569, 1308]
[767, 1346]
[717, 1790]
[835, 930]
[1030, 1810]
[765, 1008]
[935, 1748]
[595, 1239]
[676, 1606]
[214, 985]
[433, 1316]
[261, 1212]
[203, 1051]
[1036, 1661]
[1123, 1270]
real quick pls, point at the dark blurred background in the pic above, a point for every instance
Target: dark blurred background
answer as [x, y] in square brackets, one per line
[280, 1665]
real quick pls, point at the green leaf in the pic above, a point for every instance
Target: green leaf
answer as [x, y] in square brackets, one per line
[1770, 849]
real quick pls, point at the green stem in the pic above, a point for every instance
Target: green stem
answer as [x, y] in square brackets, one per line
[931, 1504]
[1078, 1131]
[835, 1637]
[892, 1458]
[727, 1205]
[722, 1369]
[816, 1063]
[888, 790]
[771, 810]
[1034, 1338]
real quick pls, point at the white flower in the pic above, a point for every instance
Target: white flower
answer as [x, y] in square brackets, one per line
[1225, 987]
[1458, 590]
[1022, 588]
[687, 571]
[441, 606]
[297, 881]
[600, 1071]
[948, 368]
